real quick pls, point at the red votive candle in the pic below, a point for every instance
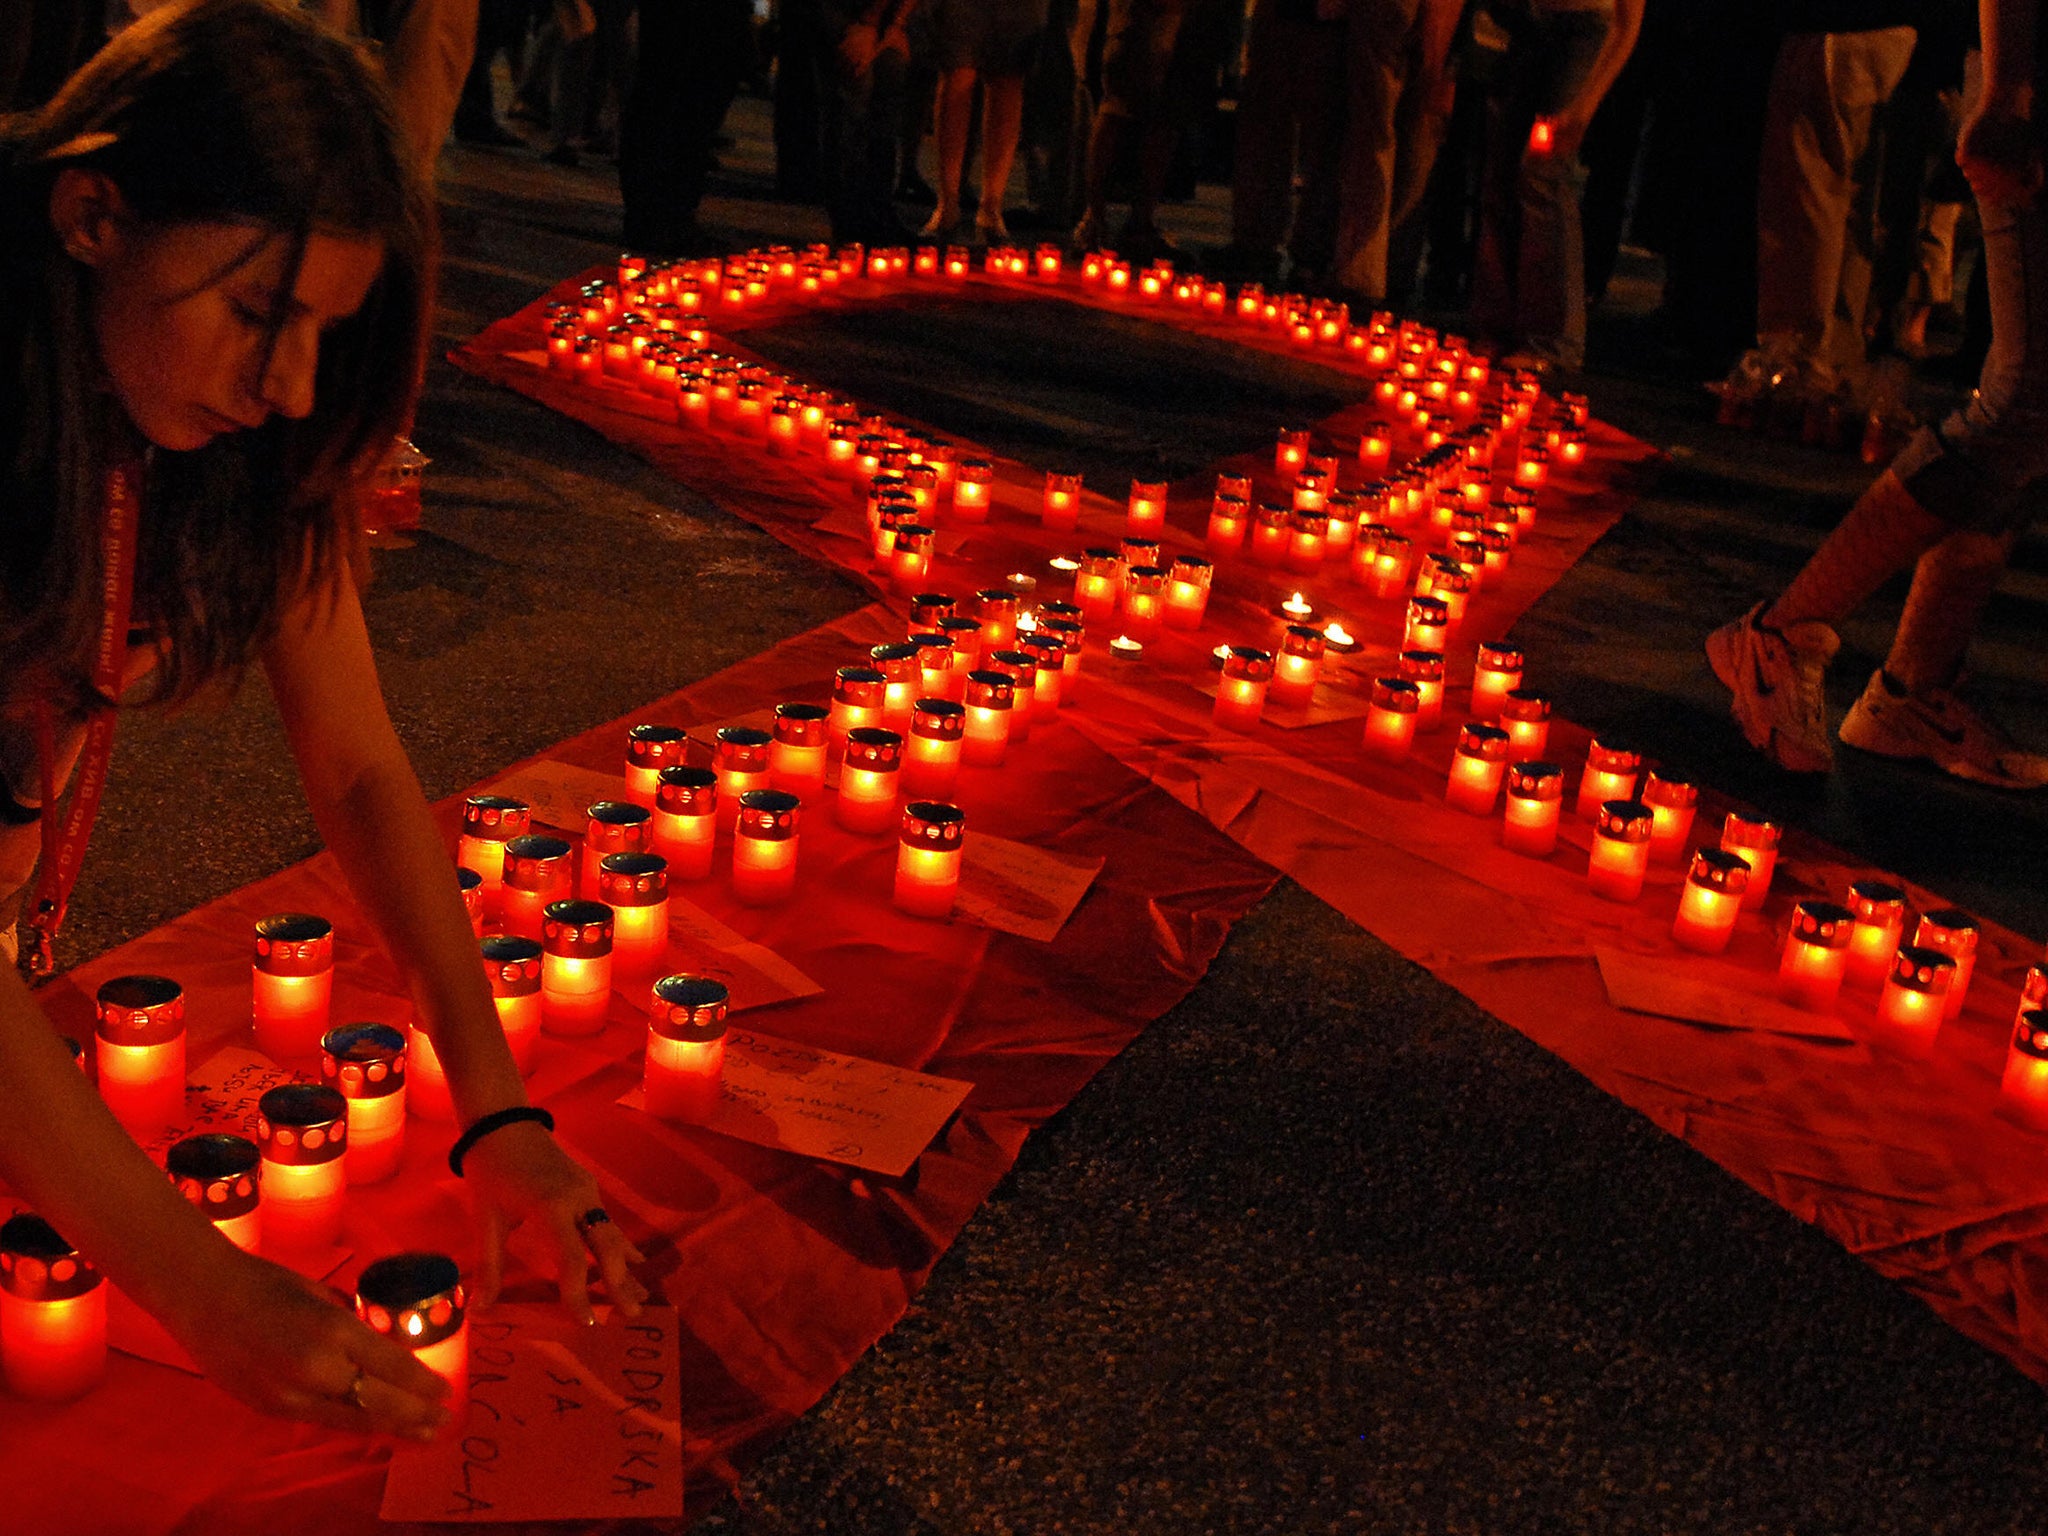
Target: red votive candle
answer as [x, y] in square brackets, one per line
[1954, 934]
[965, 633]
[991, 700]
[1535, 801]
[764, 848]
[1068, 630]
[2023, 1087]
[1062, 508]
[911, 560]
[469, 885]
[536, 873]
[1308, 533]
[1816, 955]
[1048, 654]
[1228, 518]
[365, 1063]
[220, 1174]
[292, 982]
[512, 966]
[2034, 989]
[1610, 775]
[1477, 768]
[1428, 626]
[1620, 856]
[53, 1314]
[1021, 667]
[1390, 719]
[635, 887]
[417, 1299]
[1425, 669]
[612, 826]
[739, 756]
[1097, 584]
[1312, 492]
[1241, 691]
[1757, 841]
[1375, 448]
[1711, 900]
[686, 821]
[1147, 511]
[649, 749]
[1915, 999]
[1880, 912]
[1290, 451]
[1187, 591]
[1495, 674]
[1143, 602]
[796, 755]
[934, 664]
[996, 608]
[1526, 719]
[867, 781]
[685, 1048]
[1675, 802]
[927, 608]
[971, 482]
[1272, 529]
[1452, 581]
[930, 840]
[931, 752]
[1298, 665]
[302, 1131]
[488, 823]
[141, 1051]
[576, 967]
[858, 694]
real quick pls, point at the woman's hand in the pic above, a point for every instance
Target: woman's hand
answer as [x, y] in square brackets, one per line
[1999, 155]
[286, 1346]
[518, 1174]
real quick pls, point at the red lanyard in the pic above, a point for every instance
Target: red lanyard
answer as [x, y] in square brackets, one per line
[65, 833]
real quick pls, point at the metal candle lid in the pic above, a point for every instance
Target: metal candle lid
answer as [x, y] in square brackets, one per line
[1488, 743]
[1536, 781]
[874, 749]
[769, 815]
[511, 965]
[1950, 931]
[863, 686]
[933, 824]
[895, 662]
[2030, 1034]
[995, 603]
[1670, 793]
[688, 1008]
[141, 1010]
[1603, 757]
[927, 608]
[416, 1299]
[938, 719]
[365, 1061]
[1423, 666]
[617, 826]
[220, 1174]
[1875, 901]
[1919, 969]
[1716, 869]
[1021, 667]
[1397, 695]
[656, 746]
[990, 690]
[1303, 640]
[534, 862]
[578, 930]
[38, 1265]
[302, 1123]
[742, 749]
[1497, 657]
[959, 627]
[1047, 652]
[632, 880]
[686, 791]
[1822, 923]
[1741, 831]
[493, 818]
[1627, 821]
[801, 725]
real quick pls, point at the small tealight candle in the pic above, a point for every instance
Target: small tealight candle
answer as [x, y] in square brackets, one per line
[1241, 692]
[1425, 669]
[1290, 451]
[488, 823]
[537, 871]
[796, 755]
[1391, 718]
[1915, 999]
[1757, 841]
[739, 756]
[1526, 719]
[365, 1063]
[1272, 529]
[1062, 509]
[53, 1313]
[1535, 800]
[1954, 934]
[990, 701]
[635, 887]
[930, 841]
[611, 826]
[1880, 913]
[1620, 856]
[417, 1300]
[1147, 511]
[931, 752]
[764, 847]
[1495, 674]
[1228, 518]
[1429, 624]
[972, 479]
[686, 821]
[1816, 955]
[1675, 802]
[685, 1048]
[1711, 901]
[576, 967]
[867, 781]
[302, 1131]
[293, 982]
[1610, 775]
[141, 1051]
[220, 1174]
[1097, 584]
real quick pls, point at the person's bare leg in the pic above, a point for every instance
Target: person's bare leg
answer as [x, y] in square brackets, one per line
[1951, 586]
[1105, 143]
[1886, 531]
[956, 104]
[1002, 120]
[1155, 161]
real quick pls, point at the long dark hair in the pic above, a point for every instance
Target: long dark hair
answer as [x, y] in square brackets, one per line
[214, 111]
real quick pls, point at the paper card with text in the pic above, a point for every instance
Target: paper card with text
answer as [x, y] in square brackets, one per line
[561, 794]
[1021, 889]
[818, 1103]
[754, 974]
[1700, 990]
[563, 1423]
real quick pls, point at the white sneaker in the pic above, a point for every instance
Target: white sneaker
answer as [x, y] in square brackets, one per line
[1940, 728]
[1776, 677]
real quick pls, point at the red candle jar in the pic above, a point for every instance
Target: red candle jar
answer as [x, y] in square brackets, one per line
[1048, 655]
[991, 700]
[1954, 934]
[576, 967]
[417, 1299]
[927, 608]
[2024, 1085]
[911, 560]
[537, 871]
[764, 848]
[469, 885]
[1272, 530]
[1234, 487]
[1308, 532]
[649, 749]
[1496, 549]
[512, 966]
[1621, 850]
[842, 447]
[1451, 581]
[1816, 955]
[931, 753]
[1526, 719]
[996, 608]
[1391, 555]
[1428, 626]
[1097, 584]
[1425, 669]
[1241, 692]
[1187, 591]
[1311, 490]
[1298, 665]
[302, 1132]
[686, 821]
[1391, 718]
[796, 754]
[365, 1063]
[739, 756]
[141, 1041]
[685, 1048]
[53, 1314]
[1534, 467]
[612, 826]
[2034, 989]
[1477, 768]
[867, 781]
[1228, 517]
[1534, 802]
[930, 841]
[1915, 999]
[1340, 523]
[1290, 452]
[858, 694]
[1147, 511]
[1711, 900]
[1757, 841]
[1496, 674]
[1144, 602]
[1070, 634]
[1880, 912]
[972, 479]
[1610, 775]
[1136, 552]
[1675, 802]
[488, 823]
[1062, 507]
[292, 983]
[635, 887]
[1375, 448]
[220, 1174]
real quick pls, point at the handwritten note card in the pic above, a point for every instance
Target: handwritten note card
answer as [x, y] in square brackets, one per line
[1021, 889]
[754, 974]
[1702, 991]
[561, 794]
[563, 1423]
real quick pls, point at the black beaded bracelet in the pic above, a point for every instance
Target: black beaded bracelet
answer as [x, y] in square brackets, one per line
[497, 1119]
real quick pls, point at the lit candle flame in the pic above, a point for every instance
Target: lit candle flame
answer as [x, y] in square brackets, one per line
[1221, 653]
[1064, 563]
[1337, 634]
[1298, 606]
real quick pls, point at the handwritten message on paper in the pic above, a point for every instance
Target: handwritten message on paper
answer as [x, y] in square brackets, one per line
[754, 974]
[563, 1423]
[818, 1103]
[561, 794]
[1704, 991]
[1020, 889]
